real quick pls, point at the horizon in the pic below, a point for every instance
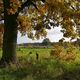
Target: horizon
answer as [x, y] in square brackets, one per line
[54, 35]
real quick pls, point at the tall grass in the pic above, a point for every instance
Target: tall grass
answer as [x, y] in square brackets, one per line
[45, 68]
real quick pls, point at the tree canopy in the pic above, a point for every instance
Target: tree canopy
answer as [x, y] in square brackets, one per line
[40, 15]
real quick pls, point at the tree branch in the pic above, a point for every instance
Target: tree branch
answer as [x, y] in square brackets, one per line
[78, 0]
[1, 20]
[26, 4]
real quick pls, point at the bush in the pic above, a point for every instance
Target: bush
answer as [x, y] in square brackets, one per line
[60, 53]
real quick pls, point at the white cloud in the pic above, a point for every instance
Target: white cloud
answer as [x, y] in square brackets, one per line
[54, 35]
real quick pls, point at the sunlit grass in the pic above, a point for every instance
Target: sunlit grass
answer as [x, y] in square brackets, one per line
[24, 52]
[45, 68]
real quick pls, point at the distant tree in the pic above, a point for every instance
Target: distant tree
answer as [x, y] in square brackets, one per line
[46, 41]
[61, 40]
[78, 31]
[78, 41]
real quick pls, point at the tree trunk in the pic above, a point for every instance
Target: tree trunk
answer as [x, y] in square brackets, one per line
[9, 39]
[10, 36]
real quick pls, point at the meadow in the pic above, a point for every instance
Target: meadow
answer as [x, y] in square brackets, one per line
[45, 67]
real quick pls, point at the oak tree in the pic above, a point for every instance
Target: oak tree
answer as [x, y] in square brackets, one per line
[38, 15]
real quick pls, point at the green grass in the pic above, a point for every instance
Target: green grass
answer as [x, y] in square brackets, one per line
[45, 68]
[24, 52]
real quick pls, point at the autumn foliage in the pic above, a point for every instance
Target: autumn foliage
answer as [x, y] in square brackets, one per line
[60, 53]
[39, 13]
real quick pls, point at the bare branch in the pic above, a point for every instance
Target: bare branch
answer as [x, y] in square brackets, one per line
[78, 0]
[26, 4]
[1, 20]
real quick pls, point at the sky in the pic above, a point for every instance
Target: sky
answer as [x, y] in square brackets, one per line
[54, 35]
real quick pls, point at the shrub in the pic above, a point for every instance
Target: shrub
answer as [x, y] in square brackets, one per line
[58, 52]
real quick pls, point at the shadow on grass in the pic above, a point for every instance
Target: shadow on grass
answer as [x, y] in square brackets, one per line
[42, 70]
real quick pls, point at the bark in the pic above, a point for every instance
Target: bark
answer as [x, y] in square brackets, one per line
[9, 37]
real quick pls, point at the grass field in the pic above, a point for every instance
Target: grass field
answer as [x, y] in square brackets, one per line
[45, 68]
